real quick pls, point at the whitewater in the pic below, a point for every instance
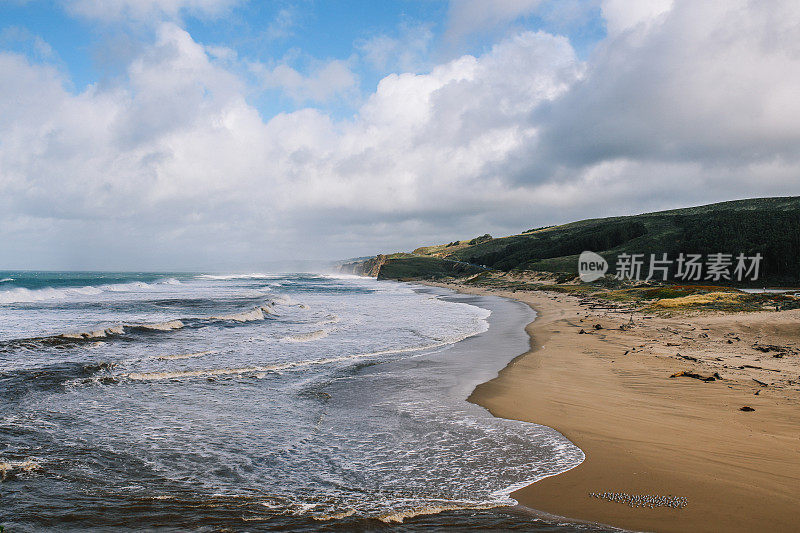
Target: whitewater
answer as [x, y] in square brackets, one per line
[251, 400]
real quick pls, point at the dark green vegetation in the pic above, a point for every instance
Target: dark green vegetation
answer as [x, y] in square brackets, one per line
[408, 266]
[480, 240]
[769, 226]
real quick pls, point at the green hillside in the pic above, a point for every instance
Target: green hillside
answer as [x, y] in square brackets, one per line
[769, 226]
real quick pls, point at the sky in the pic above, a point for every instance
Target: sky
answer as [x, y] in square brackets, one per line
[233, 134]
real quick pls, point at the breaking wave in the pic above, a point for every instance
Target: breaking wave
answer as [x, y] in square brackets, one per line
[222, 277]
[160, 326]
[252, 315]
[262, 371]
[397, 517]
[389, 442]
[97, 334]
[6, 279]
[258, 313]
[183, 355]
[329, 319]
[306, 337]
[23, 295]
[9, 470]
[120, 330]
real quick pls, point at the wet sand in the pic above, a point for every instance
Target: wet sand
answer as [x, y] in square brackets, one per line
[644, 432]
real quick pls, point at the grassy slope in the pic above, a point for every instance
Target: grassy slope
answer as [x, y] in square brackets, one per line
[765, 225]
[409, 266]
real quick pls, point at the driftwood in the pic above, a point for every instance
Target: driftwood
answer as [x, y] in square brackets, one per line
[715, 376]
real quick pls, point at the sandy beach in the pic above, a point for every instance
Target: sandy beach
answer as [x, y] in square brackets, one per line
[602, 378]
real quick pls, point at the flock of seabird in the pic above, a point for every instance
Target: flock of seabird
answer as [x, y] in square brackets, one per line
[642, 500]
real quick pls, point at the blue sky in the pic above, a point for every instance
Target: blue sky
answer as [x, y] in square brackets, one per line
[298, 33]
[228, 134]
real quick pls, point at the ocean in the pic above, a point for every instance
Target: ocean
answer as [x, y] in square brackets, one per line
[261, 401]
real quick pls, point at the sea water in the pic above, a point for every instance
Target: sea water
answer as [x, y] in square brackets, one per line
[258, 402]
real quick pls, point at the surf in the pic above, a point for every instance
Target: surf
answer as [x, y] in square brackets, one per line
[20, 295]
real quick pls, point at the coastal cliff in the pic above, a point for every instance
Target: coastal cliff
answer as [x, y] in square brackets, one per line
[769, 227]
[404, 266]
[367, 267]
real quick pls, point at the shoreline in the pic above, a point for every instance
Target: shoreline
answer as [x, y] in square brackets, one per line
[609, 392]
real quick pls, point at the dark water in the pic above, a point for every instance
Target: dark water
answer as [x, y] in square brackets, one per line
[259, 402]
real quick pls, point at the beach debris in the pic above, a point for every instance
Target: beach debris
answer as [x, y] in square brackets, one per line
[761, 383]
[687, 357]
[746, 409]
[582, 332]
[764, 347]
[780, 351]
[642, 500]
[683, 373]
[598, 326]
[759, 368]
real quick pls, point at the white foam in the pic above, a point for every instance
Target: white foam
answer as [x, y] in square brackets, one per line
[334, 516]
[155, 376]
[220, 277]
[126, 287]
[306, 337]
[184, 355]
[161, 326]
[12, 467]
[148, 376]
[6, 279]
[97, 334]
[23, 295]
[329, 319]
[397, 517]
[257, 313]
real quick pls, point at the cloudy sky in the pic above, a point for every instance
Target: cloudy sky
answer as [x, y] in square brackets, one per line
[223, 134]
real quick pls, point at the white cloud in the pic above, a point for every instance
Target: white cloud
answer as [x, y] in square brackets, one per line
[407, 52]
[711, 82]
[143, 10]
[327, 80]
[172, 167]
[466, 17]
[177, 146]
[281, 26]
[623, 15]
[13, 36]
